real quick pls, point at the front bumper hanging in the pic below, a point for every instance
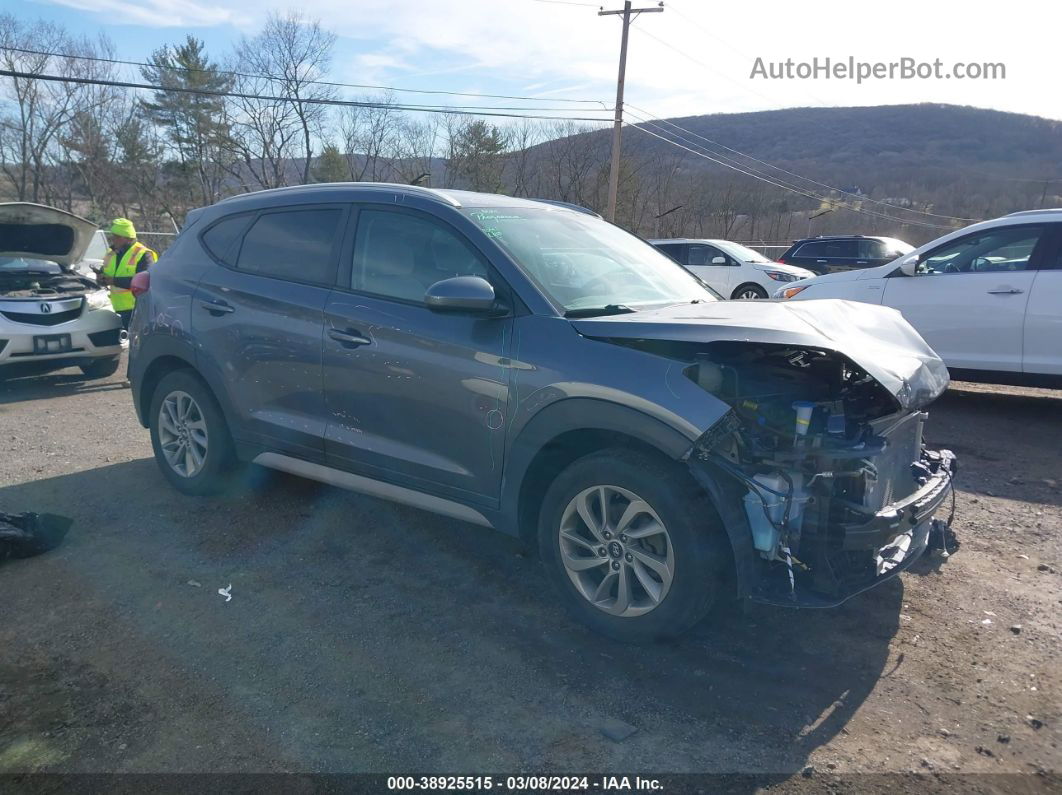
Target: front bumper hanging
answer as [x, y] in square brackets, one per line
[850, 558]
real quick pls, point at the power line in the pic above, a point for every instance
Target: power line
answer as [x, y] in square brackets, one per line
[732, 48]
[777, 184]
[293, 100]
[703, 65]
[100, 59]
[807, 179]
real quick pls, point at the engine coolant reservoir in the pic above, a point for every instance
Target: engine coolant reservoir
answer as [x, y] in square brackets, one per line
[765, 535]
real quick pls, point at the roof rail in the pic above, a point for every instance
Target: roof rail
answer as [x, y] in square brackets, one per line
[395, 186]
[1036, 212]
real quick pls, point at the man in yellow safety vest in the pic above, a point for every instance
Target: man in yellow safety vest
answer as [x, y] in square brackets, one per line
[127, 257]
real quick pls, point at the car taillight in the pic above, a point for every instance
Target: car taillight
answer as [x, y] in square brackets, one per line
[141, 283]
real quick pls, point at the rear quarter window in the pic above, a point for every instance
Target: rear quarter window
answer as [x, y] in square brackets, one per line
[221, 238]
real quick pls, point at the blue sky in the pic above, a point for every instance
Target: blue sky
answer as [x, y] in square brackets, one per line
[695, 57]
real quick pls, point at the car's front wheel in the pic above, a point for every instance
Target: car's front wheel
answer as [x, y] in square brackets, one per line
[632, 545]
[749, 292]
[189, 435]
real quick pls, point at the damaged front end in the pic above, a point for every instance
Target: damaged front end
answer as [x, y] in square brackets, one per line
[809, 436]
[837, 488]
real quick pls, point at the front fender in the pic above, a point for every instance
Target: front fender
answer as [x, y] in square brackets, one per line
[579, 414]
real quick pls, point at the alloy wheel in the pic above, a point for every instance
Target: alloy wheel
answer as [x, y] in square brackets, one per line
[616, 551]
[183, 434]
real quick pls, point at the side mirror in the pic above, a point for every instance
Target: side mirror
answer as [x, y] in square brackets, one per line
[909, 267]
[719, 260]
[461, 294]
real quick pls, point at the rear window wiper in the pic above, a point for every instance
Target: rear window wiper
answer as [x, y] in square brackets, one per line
[598, 311]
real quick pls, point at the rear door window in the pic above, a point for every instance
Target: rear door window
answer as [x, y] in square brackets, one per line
[872, 249]
[816, 249]
[674, 250]
[296, 245]
[842, 249]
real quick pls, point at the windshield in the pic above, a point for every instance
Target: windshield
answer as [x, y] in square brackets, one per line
[581, 262]
[746, 254]
[8, 264]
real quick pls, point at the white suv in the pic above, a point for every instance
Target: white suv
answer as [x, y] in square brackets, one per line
[51, 316]
[731, 269]
[987, 298]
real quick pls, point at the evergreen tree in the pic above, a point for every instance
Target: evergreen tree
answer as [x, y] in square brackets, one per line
[477, 155]
[331, 165]
[194, 124]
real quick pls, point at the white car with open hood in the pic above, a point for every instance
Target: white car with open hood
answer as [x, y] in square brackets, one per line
[987, 298]
[51, 316]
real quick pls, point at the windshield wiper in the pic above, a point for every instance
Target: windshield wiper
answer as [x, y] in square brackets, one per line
[598, 311]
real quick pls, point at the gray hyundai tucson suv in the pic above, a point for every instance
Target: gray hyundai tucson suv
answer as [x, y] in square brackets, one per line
[527, 366]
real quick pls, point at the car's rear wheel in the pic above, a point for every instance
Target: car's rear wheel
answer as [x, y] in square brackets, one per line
[101, 368]
[749, 292]
[189, 435]
[632, 545]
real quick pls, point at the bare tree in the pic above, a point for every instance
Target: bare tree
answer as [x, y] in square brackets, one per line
[416, 143]
[369, 136]
[40, 110]
[294, 52]
[520, 167]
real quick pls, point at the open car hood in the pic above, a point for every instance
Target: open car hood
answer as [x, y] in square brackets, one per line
[874, 337]
[41, 232]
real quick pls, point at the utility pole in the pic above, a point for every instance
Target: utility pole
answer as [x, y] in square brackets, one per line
[617, 125]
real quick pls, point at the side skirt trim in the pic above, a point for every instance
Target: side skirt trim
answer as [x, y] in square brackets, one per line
[372, 487]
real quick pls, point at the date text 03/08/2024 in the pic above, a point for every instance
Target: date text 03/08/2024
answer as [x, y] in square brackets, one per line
[525, 783]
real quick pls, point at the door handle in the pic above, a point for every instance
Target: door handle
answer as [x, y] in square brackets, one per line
[822, 262]
[349, 338]
[1010, 291]
[217, 307]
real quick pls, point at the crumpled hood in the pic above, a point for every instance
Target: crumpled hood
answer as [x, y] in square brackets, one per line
[41, 232]
[876, 338]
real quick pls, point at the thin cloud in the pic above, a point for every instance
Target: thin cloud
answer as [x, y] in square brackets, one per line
[155, 13]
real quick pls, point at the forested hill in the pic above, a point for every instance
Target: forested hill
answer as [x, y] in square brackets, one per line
[938, 159]
[849, 140]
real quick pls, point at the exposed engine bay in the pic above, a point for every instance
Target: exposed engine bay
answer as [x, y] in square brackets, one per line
[21, 284]
[838, 488]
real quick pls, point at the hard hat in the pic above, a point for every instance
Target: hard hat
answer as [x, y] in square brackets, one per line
[123, 227]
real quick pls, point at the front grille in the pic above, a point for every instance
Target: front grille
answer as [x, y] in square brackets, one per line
[104, 338]
[53, 319]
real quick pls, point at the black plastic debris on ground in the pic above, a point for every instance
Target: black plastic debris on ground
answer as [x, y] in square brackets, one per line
[23, 535]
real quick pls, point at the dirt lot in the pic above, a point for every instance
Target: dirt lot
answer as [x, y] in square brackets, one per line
[362, 636]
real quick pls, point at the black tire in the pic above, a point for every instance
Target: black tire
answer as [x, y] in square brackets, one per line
[754, 290]
[701, 556]
[101, 368]
[220, 459]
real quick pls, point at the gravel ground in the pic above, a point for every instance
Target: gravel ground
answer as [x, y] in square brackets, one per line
[363, 636]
